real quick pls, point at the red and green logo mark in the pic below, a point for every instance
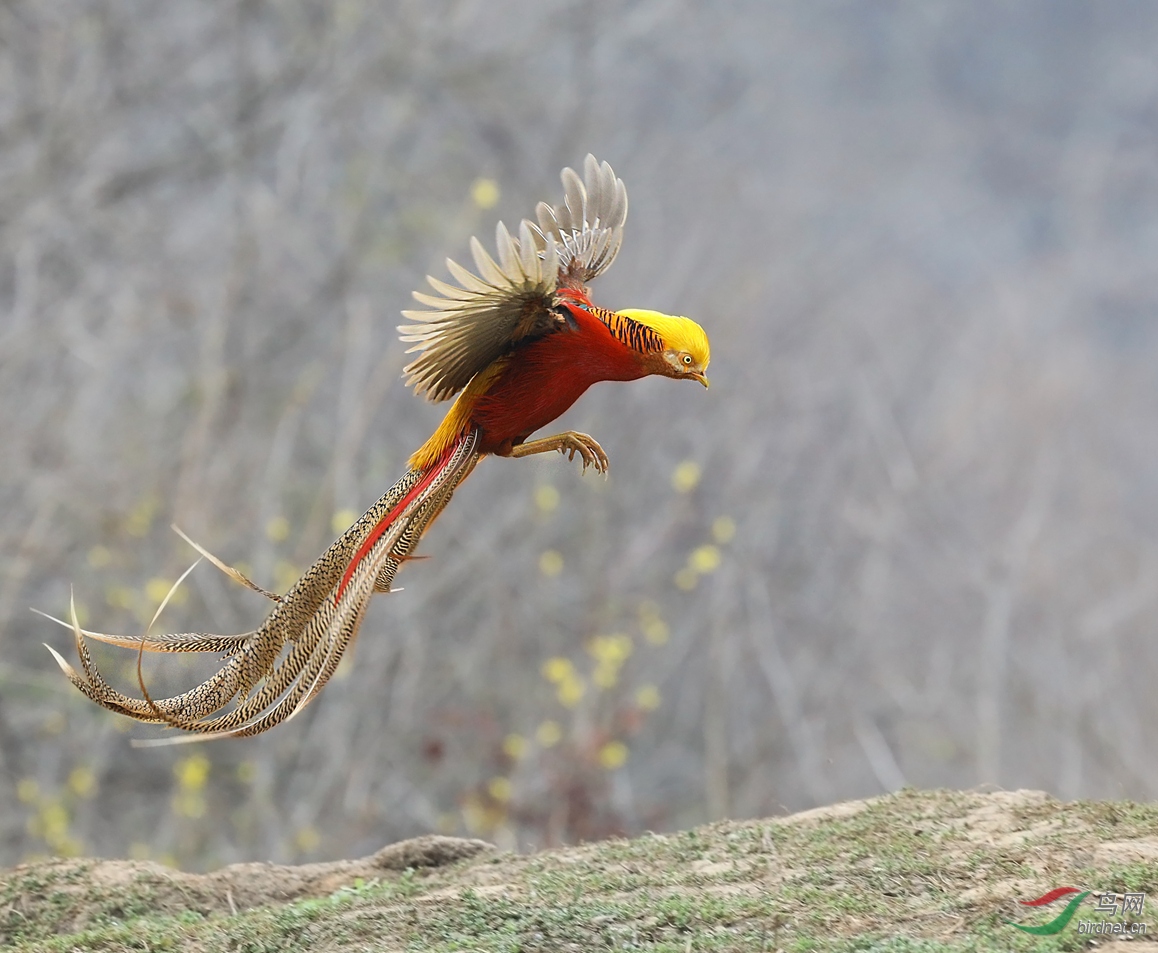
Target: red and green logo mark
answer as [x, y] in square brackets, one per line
[1058, 923]
[1111, 904]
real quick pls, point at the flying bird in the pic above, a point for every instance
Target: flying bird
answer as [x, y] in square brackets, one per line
[515, 343]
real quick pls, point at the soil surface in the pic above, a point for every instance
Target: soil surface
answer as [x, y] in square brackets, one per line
[914, 871]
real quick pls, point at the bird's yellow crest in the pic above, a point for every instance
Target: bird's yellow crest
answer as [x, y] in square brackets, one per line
[678, 333]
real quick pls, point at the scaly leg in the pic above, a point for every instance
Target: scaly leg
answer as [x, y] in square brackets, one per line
[571, 442]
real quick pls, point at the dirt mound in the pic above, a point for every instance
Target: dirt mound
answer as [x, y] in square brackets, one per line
[95, 890]
[927, 871]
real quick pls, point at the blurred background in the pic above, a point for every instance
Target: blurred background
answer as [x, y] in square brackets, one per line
[910, 535]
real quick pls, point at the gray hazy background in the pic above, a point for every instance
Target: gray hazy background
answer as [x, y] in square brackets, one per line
[922, 547]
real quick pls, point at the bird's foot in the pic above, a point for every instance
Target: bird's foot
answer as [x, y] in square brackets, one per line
[570, 443]
[593, 455]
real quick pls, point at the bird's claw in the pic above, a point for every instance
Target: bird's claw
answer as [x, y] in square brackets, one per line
[588, 449]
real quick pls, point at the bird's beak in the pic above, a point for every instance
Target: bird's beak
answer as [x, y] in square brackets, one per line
[701, 377]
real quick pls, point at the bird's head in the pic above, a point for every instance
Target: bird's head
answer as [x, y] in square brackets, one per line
[686, 351]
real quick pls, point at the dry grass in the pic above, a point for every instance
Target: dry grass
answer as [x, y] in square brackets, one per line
[914, 871]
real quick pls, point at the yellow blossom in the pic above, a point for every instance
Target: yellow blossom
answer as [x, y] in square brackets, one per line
[685, 476]
[156, 589]
[551, 563]
[654, 629]
[140, 518]
[613, 755]
[82, 781]
[342, 520]
[54, 822]
[285, 574]
[723, 529]
[571, 691]
[705, 559]
[120, 597]
[549, 734]
[546, 498]
[514, 746]
[192, 772]
[307, 839]
[557, 669]
[610, 648]
[500, 789]
[189, 804]
[485, 193]
[647, 697]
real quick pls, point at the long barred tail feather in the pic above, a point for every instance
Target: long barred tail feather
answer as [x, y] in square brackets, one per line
[166, 642]
[318, 619]
[234, 574]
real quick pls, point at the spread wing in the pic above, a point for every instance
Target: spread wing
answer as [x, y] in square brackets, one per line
[471, 326]
[588, 226]
[468, 327]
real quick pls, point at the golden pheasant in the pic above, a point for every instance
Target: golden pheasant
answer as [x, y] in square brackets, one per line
[518, 342]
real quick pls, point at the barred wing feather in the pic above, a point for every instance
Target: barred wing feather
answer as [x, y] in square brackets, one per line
[588, 226]
[470, 326]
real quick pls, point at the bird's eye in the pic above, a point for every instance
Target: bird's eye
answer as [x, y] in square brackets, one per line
[687, 359]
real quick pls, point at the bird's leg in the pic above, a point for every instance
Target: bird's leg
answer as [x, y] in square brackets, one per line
[570, 442]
